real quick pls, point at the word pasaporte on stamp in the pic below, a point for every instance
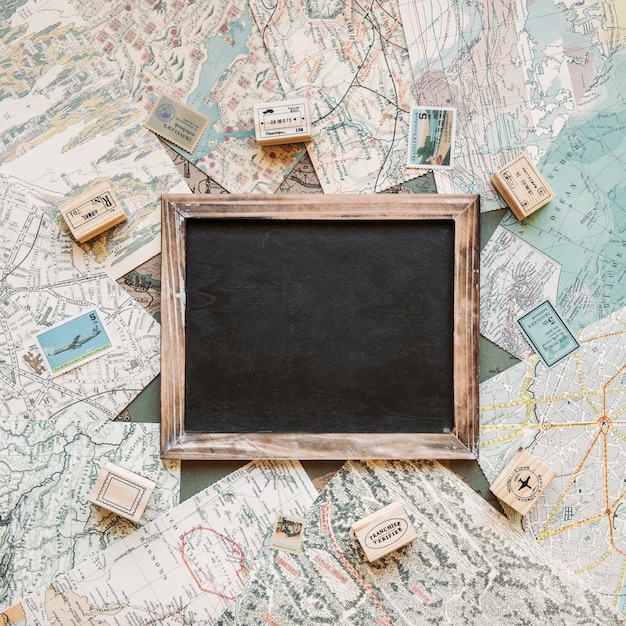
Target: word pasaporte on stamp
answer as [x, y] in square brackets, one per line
[177, 123]
[431, 137]
[547, 333]
[74, 342]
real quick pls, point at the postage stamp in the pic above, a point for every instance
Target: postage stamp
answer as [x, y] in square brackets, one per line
[431, 137]
[288, 533]
[74, 342]
[176, 122]
[547, 333]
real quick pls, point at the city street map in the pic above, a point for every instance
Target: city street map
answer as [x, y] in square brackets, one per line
[573, 418]
[45, 278]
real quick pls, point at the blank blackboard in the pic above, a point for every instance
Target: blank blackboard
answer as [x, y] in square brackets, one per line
[320, 326]
[308, 331]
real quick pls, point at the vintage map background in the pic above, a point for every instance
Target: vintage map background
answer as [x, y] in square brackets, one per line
[544, 77]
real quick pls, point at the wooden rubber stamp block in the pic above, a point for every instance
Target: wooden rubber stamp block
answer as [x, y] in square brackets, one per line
[522, 481]
[384, 531]
[121, 491]
[286, 121]
[522, 186]
[93, 212]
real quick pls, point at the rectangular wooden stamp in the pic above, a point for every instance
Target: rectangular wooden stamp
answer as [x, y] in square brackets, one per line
[522, 481]
[522, 186]
[121, 491]
[177, 123]
[384, 531]
[93, 212]
[286, 121]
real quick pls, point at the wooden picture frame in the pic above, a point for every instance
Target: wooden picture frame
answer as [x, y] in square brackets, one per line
[431, 241]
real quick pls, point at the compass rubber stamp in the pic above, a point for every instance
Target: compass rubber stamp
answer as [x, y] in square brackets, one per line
[522, 481]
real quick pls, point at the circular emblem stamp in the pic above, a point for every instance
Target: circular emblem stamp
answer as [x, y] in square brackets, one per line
[165, 112]
[524, 483]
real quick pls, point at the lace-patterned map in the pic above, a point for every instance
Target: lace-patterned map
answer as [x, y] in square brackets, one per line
[185, 567]
[573, 417]
[514, 70]
[468, 565]
[67, 122]
[47, 526]
[349, 61]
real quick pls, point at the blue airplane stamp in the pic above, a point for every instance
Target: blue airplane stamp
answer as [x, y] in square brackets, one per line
[74, 342]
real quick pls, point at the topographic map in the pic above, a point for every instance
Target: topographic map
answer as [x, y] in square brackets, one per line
[349, 61]
[515, 71]
[45, 278]
[47, 526]
[579, 239]
[211, 56]
[572, 417]
[67, 122]
[467, 566]
[186, 566]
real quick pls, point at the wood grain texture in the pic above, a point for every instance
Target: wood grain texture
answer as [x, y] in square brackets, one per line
[177, 442]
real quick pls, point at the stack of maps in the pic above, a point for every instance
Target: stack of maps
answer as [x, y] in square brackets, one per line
[80, 77]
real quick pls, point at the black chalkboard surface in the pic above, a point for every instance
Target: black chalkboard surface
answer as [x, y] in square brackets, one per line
[319, 327]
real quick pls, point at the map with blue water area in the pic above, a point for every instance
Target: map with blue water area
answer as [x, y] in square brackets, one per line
[582, 231]
[211, 56]
[515, 71]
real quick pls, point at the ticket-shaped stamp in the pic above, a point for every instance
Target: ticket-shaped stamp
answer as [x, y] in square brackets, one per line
[547, 334]
[288, 533]
[431, 137]
[74, 342]
[279, 122]
[93, 212]
[177, 123]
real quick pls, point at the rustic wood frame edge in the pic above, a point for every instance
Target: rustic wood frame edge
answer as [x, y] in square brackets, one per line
[462, 443]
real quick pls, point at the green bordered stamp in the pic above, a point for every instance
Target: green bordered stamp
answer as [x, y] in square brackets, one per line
[548, 334]
[74, 342]
[431, 137]
[177, 123]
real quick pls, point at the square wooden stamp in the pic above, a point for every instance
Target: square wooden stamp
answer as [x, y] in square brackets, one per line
[522, 186]
[93, 212]
[522, 481]
[384, 531]
[121, 491]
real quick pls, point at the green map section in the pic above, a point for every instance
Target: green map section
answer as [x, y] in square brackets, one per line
[584, 229]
